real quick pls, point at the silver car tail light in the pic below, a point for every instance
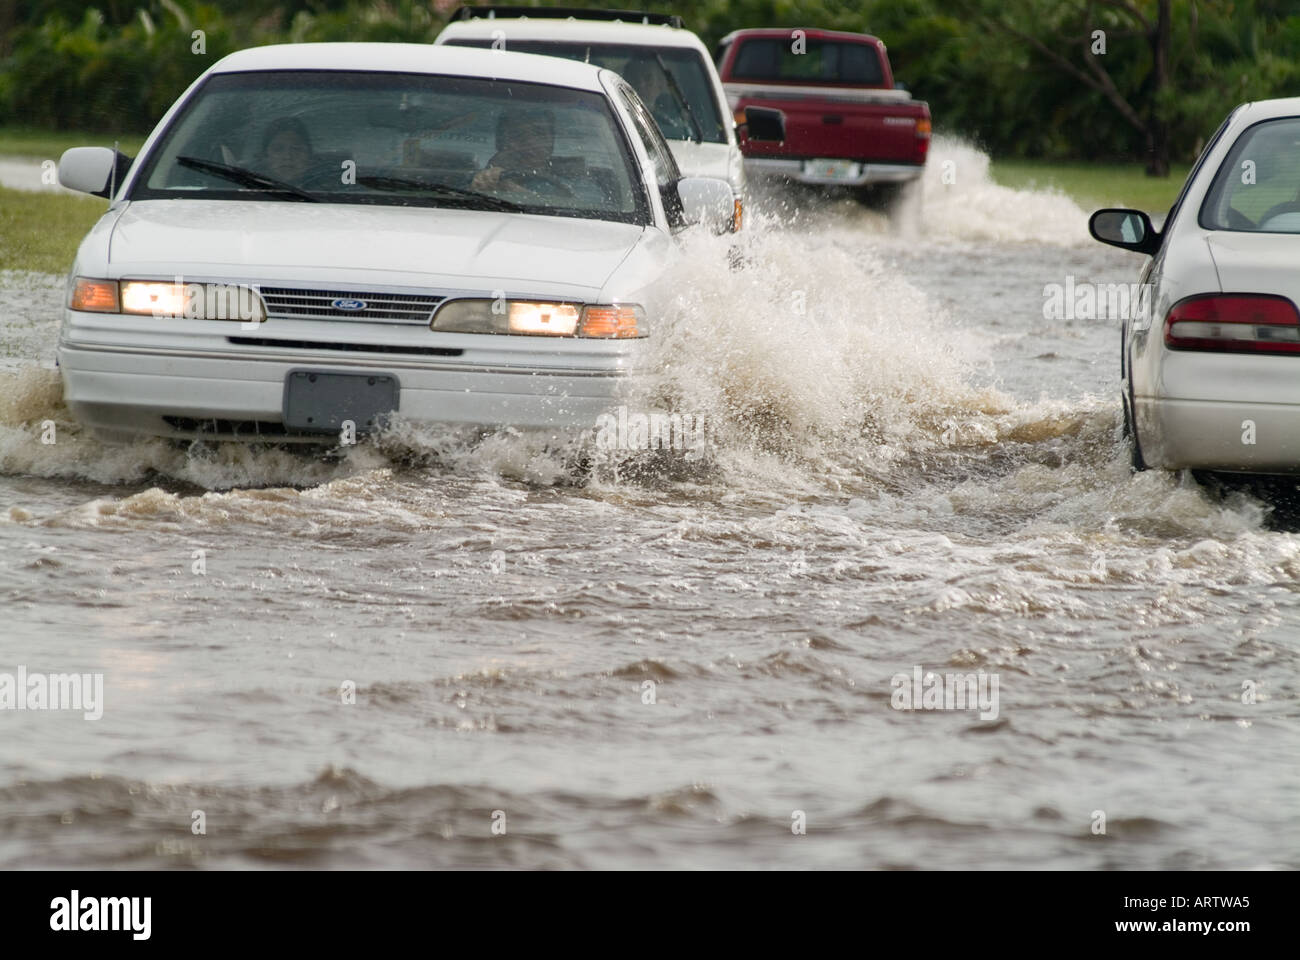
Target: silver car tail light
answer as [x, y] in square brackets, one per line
[1234, 323]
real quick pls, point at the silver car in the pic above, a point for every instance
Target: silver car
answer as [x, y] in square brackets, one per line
[1211, 371]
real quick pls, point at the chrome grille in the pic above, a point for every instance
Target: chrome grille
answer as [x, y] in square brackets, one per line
[290, 303]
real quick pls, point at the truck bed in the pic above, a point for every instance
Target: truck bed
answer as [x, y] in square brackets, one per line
[845, 122]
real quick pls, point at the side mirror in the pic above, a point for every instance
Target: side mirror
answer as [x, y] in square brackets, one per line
[899, 85]
[708, 201]
[1126, 229]
[94, 170]
[764, 123]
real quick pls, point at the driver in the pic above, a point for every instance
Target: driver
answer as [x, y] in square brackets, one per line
[523, 163]
[286, 150]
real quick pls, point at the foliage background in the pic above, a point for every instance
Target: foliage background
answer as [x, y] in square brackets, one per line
[118, 65]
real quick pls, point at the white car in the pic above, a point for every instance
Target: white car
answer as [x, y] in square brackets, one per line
[1211, 372]
[321, 234]
[668, 65]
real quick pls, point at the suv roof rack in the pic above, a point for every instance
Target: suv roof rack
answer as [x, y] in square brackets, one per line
[492, 11]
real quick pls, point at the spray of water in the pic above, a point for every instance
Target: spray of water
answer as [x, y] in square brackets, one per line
[815, 365]
[961, 201]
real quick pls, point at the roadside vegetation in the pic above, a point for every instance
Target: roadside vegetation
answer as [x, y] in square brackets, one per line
[1050, 108]
[1094, 185]
[41, 231]
[43, 144]
[1142, 81]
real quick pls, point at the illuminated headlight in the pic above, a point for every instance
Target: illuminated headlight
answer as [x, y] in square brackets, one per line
[151, 298]
[193, 301]
[539, 318]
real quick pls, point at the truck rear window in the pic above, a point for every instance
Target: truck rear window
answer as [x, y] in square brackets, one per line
[773, 59]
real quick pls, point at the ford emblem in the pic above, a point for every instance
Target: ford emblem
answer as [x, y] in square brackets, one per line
[343, 304]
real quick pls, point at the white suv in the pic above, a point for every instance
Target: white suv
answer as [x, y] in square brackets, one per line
[668, 65]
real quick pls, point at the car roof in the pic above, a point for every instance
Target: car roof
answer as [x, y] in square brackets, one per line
[414, 58]
[812, 32]
[1257, 110]
[581, 31]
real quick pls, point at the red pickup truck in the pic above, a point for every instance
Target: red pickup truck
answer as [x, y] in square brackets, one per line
[846, 123]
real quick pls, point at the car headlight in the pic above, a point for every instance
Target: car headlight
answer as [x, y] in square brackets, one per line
[191, 301]
[539, 318]
[153, 299]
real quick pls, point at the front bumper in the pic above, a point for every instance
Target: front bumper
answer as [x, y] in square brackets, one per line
[237, 392]
[868, 173]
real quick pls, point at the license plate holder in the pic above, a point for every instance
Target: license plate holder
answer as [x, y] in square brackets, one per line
[832, 170]
[320, 401]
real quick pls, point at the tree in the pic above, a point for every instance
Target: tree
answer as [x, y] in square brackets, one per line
[1076, 37]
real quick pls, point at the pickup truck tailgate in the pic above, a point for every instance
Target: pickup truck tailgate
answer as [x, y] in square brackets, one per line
[869, 127]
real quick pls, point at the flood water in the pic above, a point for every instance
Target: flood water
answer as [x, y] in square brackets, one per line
[642, 663]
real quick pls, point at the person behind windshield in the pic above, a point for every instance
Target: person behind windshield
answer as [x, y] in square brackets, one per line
[648, 80]
[286, 150]
[523, 163]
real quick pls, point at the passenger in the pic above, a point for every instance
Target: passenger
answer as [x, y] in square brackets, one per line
[286, 150]
[523, 163]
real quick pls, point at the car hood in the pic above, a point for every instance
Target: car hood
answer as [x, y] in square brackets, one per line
[276, 240]
[1256, 262]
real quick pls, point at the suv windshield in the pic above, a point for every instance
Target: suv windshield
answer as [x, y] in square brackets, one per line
[1257, 188]
[398, 139]
[673, 81]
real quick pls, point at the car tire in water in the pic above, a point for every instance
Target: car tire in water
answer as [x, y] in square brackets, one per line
[1136, 463]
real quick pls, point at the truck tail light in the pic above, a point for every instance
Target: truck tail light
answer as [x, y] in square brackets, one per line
[923, 128]
[1234, 323]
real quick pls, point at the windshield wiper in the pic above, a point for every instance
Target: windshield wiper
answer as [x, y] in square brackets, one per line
[677, 92]
[443, 190]
[247, 178]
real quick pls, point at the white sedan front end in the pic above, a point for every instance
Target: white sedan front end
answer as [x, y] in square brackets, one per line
[320, 236]
[189, 376]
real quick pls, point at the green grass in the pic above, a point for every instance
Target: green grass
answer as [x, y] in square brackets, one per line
[50, 144]
[41, 231]
[1093, 185]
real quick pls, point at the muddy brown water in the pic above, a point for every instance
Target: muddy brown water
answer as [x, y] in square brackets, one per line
[637, 666]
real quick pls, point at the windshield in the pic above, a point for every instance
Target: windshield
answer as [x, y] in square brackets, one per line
[773, 59]
[398, 139]
[1257, 189]
[674, 82]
